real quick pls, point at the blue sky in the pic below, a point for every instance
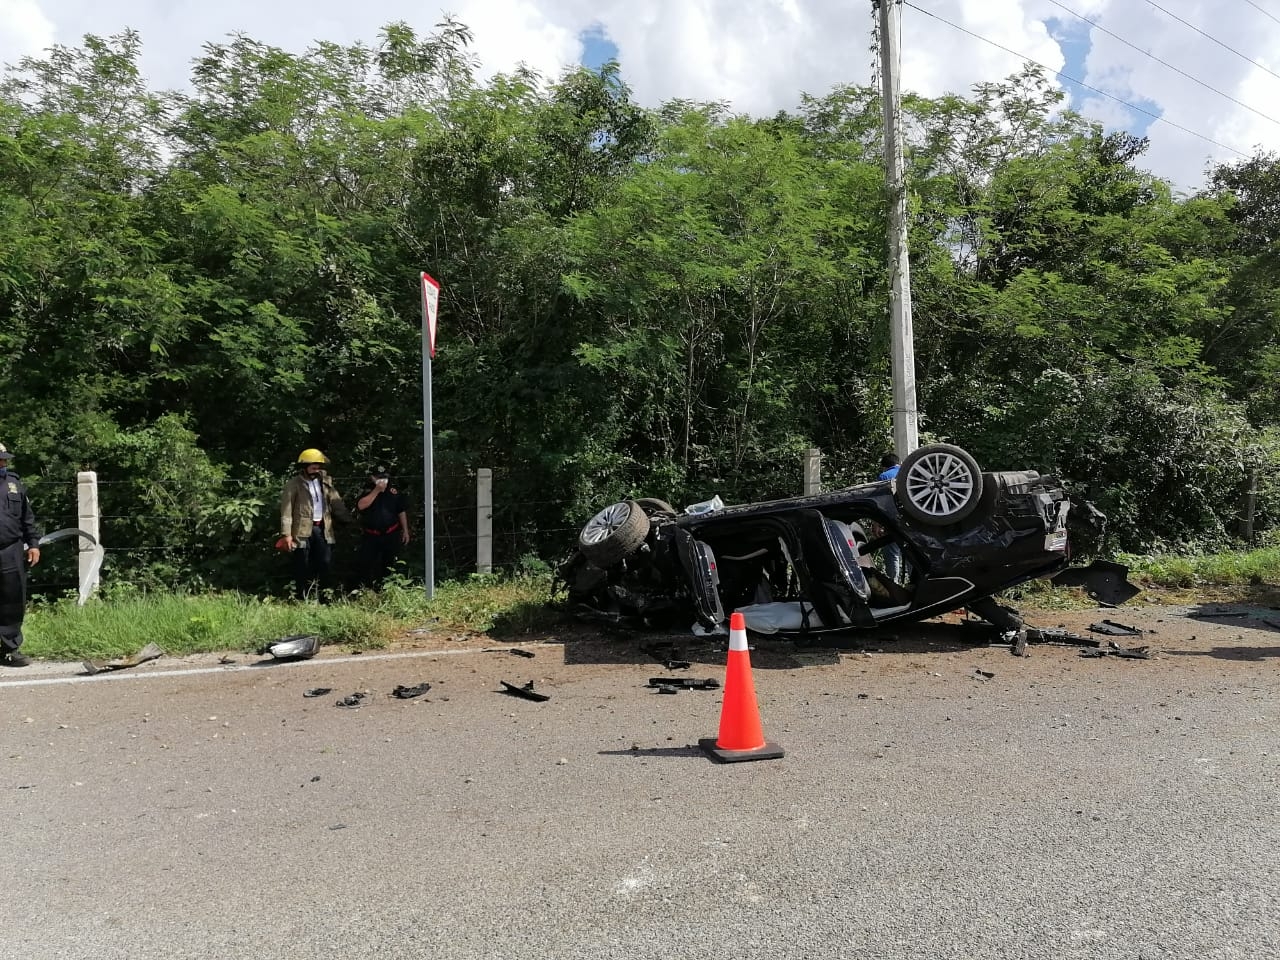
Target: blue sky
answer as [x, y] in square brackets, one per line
[1073, 37]
[597, 48]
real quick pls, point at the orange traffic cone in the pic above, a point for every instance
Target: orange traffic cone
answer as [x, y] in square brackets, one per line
[741, 736]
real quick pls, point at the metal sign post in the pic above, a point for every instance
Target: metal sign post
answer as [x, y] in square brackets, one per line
[430, 305]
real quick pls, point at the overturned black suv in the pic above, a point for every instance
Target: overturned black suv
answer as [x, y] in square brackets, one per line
[826, 562]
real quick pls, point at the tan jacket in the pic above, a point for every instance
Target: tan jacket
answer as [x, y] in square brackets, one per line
[295, 508]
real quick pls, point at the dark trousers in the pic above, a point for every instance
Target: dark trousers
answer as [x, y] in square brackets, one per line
[13, 595]
[311, 561]
[378, 552]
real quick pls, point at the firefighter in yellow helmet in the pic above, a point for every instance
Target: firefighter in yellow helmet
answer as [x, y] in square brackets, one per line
[308, 506]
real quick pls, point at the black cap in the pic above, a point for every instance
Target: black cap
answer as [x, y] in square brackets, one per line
[379, 470]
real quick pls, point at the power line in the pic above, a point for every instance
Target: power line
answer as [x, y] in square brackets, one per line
[1058, 73]
[1262, 11]
[1148, 53]
[1192, 26]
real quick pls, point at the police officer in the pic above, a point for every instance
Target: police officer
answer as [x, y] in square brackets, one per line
[384, 519]
[18, 538]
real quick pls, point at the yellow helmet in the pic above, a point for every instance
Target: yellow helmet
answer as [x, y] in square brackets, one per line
[312, 455]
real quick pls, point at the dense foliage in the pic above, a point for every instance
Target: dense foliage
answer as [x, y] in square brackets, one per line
[194, 286]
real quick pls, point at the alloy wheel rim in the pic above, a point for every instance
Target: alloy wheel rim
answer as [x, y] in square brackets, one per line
[603, 525]
[940, 484]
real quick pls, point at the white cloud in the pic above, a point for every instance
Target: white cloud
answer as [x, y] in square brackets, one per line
[760, 55]
[1116, 68]
[24, 30]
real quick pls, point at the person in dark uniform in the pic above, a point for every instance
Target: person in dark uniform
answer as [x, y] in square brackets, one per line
[18, 550]
[384, 520]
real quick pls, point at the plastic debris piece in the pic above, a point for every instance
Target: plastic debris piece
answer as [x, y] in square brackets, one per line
[297, 647]
[317, 691]
[1111, 628]
[1113, 649]
[527, 691]
[354, 700]
[150, 652]
[685, 683]
[408, 693]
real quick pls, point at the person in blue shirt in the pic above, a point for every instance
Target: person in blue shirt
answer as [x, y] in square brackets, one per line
[893, 565]
[889, 465]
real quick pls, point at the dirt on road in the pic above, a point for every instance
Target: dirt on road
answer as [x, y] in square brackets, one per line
[1191, 632]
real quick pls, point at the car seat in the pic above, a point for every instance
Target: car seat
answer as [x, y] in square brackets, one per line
[884, 592]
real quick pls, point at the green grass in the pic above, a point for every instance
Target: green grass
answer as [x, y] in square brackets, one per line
[1243, 574]
[1233, 568]
[123, 622]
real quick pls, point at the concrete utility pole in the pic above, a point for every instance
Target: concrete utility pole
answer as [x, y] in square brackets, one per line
[902, 343]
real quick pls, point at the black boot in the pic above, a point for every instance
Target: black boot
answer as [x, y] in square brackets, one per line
[12, 658]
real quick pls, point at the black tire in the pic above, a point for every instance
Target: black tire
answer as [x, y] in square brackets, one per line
[614, 533]
[939, 484]
[652, 505]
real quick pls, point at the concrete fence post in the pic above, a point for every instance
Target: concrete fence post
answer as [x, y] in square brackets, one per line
[88, 516]
[484, 520]
[1249, 506]
[812, 471]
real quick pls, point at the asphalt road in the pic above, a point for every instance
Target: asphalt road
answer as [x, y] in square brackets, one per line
[1062, 808]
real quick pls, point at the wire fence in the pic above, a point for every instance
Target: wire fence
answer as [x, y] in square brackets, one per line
[179, 534]
[160, 542]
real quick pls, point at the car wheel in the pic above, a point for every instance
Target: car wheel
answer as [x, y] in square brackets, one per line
[652, 505]
[939, 484]
[614, 533]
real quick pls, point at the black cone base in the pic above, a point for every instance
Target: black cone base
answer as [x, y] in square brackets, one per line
[770, 751]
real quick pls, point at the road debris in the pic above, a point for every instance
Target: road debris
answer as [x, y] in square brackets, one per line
[1018, 640]
[521, 653]
[354, 700]
[296, 647]
[150, 652]
[317, 691]
[1113, 649]
[408, 693]
[1113, 629]
[527, 691]
[683, 683]
[979, 674]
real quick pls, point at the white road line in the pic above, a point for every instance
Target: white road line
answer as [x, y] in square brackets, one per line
[234, 668]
